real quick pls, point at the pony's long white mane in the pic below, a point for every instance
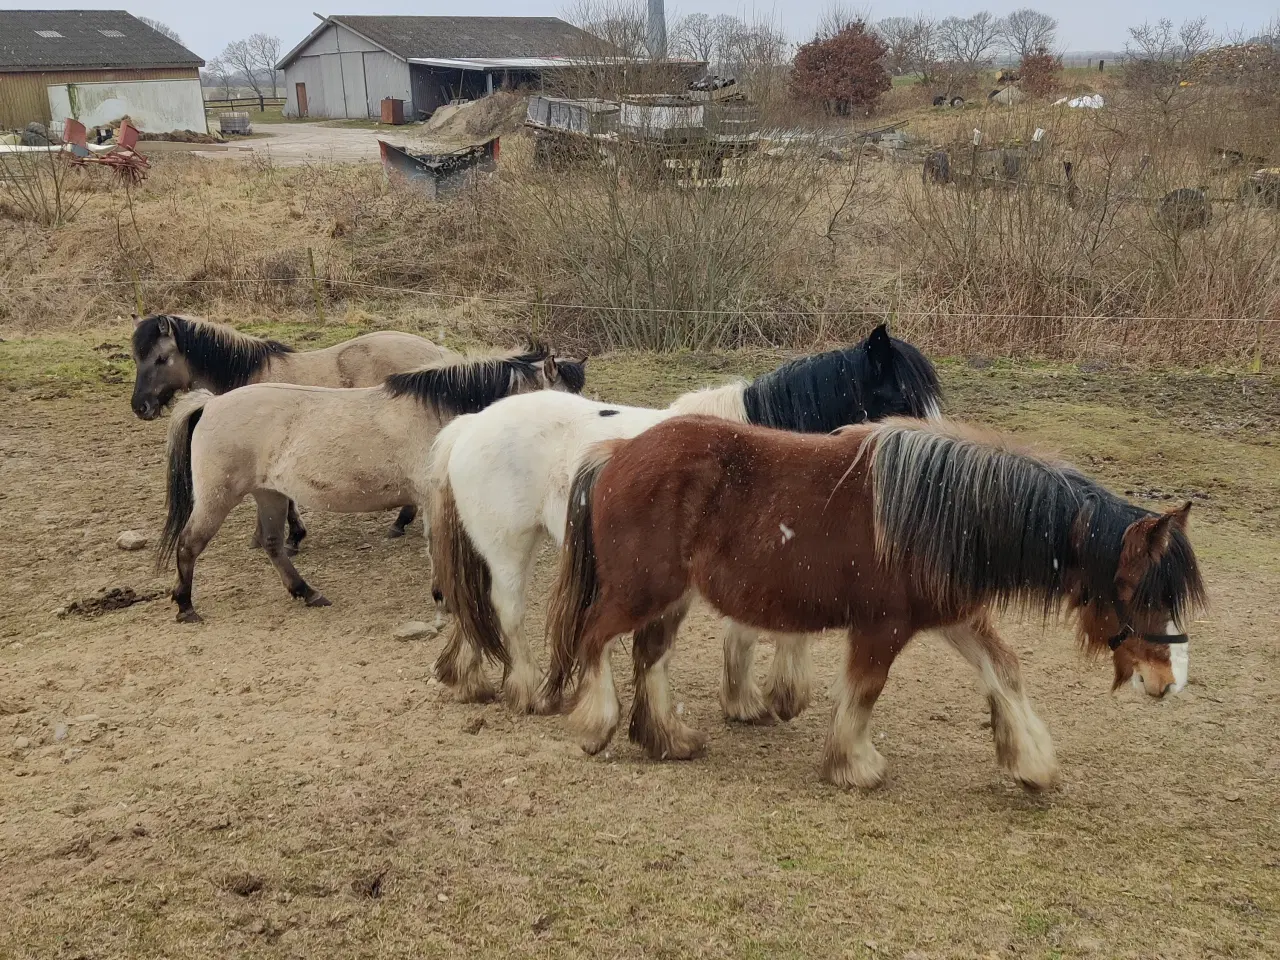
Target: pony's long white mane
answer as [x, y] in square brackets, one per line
[724, 402]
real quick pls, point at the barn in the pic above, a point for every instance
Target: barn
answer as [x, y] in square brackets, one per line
[349, 64]
[98, 62]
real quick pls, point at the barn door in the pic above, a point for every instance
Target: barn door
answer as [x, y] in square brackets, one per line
[301, 89]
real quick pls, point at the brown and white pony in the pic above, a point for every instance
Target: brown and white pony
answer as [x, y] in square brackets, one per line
[880, 530]
[347, 451]
[174, 354]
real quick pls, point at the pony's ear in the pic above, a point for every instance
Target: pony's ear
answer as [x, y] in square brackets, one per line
[137, 320]
[1146, 542]
[880, 348]
[550, 370]
[163, 326]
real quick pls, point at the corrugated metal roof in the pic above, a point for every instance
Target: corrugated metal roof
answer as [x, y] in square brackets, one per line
[499, 63]
[469, 37]
[53, 39]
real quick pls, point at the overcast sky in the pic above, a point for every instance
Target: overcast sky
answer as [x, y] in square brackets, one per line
[1085, 24]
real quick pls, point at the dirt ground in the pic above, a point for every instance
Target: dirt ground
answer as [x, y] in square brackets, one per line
[286, 782]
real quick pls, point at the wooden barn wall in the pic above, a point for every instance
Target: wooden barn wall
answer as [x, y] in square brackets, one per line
[24, 97]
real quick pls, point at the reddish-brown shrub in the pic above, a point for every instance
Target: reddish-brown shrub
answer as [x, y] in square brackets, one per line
[1040, 73]
[842, 71]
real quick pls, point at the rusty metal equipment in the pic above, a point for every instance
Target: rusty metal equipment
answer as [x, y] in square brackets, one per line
[121, 158]
[441, 173]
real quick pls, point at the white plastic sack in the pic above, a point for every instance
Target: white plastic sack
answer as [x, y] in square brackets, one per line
[1094, 102]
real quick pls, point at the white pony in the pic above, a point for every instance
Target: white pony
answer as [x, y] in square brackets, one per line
[500, 482]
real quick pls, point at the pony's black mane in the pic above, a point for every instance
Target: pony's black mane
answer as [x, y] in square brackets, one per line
[818, 393]
[222, 357]
[975, 523]
[472, 385]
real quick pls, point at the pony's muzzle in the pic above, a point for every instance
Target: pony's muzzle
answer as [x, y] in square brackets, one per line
[146, 409]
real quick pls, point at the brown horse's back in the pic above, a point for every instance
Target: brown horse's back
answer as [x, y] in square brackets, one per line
[774, 529]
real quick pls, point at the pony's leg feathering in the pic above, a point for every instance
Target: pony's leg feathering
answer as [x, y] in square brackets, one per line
[790, 676]
[850, 758]
[595, 717]
[508, 593]
[654, 723]
[740, 697]
[462, 577]
[1023, 744]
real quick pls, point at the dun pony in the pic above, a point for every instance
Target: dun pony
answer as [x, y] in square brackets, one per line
[174, 354]
[349, 451]
[882, 531]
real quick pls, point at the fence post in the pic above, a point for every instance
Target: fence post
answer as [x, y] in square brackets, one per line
[137, 293]
[262, 104]
[1257, 347]
[315, 285]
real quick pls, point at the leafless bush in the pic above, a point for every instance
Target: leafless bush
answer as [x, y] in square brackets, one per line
[43, 187]
[1058, 255]
[634, 252]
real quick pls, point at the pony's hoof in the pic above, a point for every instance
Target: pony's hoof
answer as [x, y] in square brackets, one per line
[395, 533]
[318, 600]
[593, 745]
[864, 770]
[189, 616]
[760, 716]
[684, 745]
[787, 703]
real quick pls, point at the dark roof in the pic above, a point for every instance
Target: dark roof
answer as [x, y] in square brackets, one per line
[450, 37]
[86, 39]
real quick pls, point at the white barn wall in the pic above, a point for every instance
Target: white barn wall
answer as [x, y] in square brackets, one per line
[304, 70]
[387, 76]
[154, 106]
[353, 85]
[345, 76]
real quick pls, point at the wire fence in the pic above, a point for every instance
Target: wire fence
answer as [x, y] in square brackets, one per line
[940, 312]
[1248, 348]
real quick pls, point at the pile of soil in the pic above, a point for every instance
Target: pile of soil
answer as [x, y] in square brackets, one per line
[477, 121]
[182, 136]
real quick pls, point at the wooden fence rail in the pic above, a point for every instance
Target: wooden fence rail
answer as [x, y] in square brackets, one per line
[260, 102]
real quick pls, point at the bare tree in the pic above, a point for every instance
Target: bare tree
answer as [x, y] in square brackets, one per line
[266, 52]
[1157, 58]
[1025, 31]
[162, 28]
[239, 57]
[968, 42]
[694, 37]
[837, 16]
[901, 37]
[621, 27]
[927, 47]
[742, 47]
[222, 74]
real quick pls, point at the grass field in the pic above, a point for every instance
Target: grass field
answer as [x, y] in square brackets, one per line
[283, 782]
[273, 115]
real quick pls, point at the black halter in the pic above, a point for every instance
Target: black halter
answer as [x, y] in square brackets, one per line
[1127, 631]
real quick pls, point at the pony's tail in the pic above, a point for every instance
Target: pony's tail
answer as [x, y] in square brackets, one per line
[462, 584]
[179, 491]
[577, 583]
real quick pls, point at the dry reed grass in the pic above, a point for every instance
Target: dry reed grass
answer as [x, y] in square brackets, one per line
[802, 251]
